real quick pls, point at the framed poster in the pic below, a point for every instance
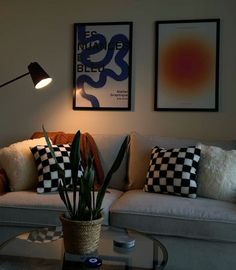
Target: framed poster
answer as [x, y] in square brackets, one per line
[187, 65]
[102, 66]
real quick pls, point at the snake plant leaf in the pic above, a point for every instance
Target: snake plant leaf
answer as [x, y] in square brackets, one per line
[91, 172]
[114, 168]
[85, 195]
[61, 191]
[86, 207]
[61, 172]
[81, 209]
[75, 158]
[89, 186]
[75, 164]
[97, 213]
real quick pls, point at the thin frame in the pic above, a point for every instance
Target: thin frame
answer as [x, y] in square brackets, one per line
[172, 94]
[98, 86]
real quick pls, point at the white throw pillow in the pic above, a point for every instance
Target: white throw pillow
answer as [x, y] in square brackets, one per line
[18, 162]
[217, 173]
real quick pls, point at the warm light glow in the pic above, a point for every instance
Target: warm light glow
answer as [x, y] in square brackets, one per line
[43, 83]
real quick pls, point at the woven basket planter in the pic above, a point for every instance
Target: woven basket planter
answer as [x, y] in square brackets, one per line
[81, 237]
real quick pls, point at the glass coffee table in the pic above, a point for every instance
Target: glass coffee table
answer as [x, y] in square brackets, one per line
[44, 249]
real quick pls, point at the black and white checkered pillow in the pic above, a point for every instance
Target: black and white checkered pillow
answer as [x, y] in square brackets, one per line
[47, 170]
[173, 171]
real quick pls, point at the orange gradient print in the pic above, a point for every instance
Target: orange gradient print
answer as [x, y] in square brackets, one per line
[186, 65]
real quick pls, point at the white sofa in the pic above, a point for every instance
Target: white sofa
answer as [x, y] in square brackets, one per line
[198, 233]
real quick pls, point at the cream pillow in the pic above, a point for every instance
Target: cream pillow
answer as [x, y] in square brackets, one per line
[18, 162]
[217, 173]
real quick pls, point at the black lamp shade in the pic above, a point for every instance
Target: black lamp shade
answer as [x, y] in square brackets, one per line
[39, 77]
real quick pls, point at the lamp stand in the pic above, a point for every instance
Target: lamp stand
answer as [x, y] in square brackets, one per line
[17, 78]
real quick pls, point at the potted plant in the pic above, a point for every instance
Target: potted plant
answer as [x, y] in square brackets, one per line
[82, 222]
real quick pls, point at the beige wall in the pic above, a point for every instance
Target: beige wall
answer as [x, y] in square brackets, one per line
[42, 31]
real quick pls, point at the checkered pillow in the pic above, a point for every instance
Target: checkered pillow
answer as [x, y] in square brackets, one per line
[47, 170]
[173, 171]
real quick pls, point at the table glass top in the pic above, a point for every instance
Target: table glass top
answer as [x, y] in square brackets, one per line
[44, 249]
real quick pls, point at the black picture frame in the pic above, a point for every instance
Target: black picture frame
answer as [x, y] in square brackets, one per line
[102, 66]
[187, 65]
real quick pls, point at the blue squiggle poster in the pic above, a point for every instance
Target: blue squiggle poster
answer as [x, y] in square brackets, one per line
[102, 66]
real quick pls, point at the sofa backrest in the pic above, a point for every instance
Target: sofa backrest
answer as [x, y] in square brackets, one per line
[140, 152]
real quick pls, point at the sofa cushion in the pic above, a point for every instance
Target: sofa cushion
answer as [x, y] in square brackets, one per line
[48, 176]
[141, 147]
[18, 163]
[173, 171]
[217, 173]
[161, 214]
[28, 208]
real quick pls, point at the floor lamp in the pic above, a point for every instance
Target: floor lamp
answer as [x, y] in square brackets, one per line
[38, 75]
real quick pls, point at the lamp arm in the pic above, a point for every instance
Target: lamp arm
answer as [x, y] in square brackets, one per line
[17, 78]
